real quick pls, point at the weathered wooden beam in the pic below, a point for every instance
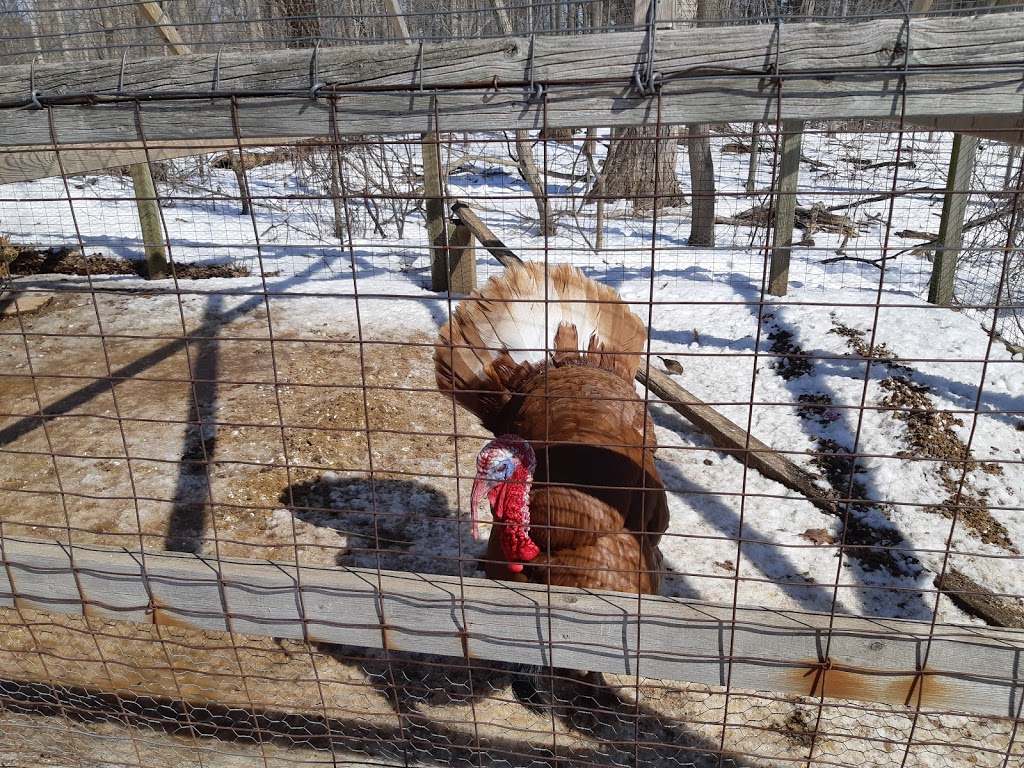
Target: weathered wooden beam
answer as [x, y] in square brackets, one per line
[978, 600]
[1008, 132]
[816, 51]
[968, 69]
[969, 669]
[479, 109]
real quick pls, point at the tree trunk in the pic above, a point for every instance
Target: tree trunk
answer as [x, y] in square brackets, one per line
[238, 168]
[640, 167]
[528, 167]
[755, 148]
[702, 186]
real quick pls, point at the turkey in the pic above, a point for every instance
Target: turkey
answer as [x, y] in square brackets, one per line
[545, 358]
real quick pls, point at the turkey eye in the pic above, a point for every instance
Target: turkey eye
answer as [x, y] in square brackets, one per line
[504, 470]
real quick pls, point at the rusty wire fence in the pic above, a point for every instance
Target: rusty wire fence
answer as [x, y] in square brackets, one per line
[234, 505]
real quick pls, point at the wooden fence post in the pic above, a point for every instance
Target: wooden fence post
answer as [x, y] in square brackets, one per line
[142, 176]
[462, 260]
[433, 181]
[437, 224]
[149, 219]
[954, 207]
[785, 207]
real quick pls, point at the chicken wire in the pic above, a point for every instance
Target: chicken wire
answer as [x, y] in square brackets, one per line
[275, 399]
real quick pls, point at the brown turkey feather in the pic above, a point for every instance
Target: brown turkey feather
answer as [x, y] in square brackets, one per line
[550, 355]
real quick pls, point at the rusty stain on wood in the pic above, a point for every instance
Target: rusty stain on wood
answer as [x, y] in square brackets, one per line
[161, 614]
[835, 680]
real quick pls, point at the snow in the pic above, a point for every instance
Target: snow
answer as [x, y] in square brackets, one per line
[734, 534]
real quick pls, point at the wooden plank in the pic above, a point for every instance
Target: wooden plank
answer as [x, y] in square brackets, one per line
[785, 206]
[710, 75]
[951, 228]
[468, 219]
[813, 50]
[1007, 131]
[397, 20]
[722, 99]
[969, 668]
[977, 600]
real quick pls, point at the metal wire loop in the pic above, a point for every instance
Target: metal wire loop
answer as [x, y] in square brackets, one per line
[315, 83]
[33, 93]
[216, 71]
[646, 77]
[120, 72]
[419, 66]
[648, 86]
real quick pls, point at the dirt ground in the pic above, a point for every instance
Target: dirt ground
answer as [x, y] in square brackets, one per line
[144, 457]
[267, 455]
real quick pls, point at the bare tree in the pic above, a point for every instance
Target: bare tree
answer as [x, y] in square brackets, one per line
[640, 167]
[702, 186]
[528, 168]
[702, 168]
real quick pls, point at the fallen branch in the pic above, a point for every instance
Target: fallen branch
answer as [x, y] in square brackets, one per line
[817, 219]
[886, 196]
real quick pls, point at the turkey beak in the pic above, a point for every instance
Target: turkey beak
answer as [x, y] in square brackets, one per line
[480, 488]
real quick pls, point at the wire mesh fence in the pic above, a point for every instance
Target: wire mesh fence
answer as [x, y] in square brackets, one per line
[236, 519]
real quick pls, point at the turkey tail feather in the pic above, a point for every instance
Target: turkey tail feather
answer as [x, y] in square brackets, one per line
[526, 319]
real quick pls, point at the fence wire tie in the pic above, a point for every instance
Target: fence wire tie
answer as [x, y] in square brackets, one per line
[120, 72]
[418, 78]
[906, 46]
[771, 68]
[536, 89]
[216, 72]
[647, 80]
[315, 83]
[33, 93]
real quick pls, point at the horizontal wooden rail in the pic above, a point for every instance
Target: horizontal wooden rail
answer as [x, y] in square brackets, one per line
[27, 164]
[969, 669]
[959, 73]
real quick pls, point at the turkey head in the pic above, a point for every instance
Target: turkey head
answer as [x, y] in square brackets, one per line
[504, 474]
